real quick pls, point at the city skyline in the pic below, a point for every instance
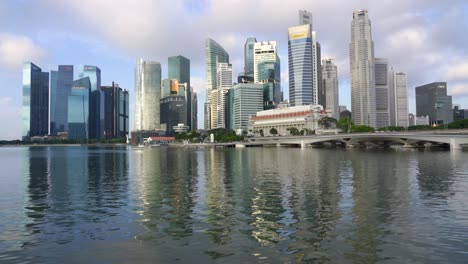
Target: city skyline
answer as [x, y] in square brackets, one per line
[399, 36]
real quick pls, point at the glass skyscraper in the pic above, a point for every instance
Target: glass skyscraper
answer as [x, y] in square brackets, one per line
[116, 111]
[179, 69]
[60, 87]
[214, 54]
[249, 57]
[96, 119]
[79, 109]
[147, 95]
[35, 112]
[246, 99]
[300, 65]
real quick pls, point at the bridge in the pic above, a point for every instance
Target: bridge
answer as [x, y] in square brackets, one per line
[455, 139]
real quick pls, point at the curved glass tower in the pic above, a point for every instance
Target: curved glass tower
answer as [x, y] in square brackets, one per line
[147, 95]
[214, 54]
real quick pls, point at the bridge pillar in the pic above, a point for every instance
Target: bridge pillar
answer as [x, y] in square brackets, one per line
[303, 145]
[406, 145]
[454, 144]
[278, 145]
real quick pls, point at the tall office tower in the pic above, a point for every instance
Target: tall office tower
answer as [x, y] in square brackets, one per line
[432, 100]
[400, 87]
[96, 102]
[305, 17]
[60, 87]
[79, 108]
[246, 99]
[147, 95]
[330, 85]
[173, 112]
[35, 101]
[224, 83]
[361, 52]
[382, 94]
[214, 54]
[179, 69]
[319, 94]
[116, 111]
[249, 57]
[300, 65]
[194, 109]
[267, 70]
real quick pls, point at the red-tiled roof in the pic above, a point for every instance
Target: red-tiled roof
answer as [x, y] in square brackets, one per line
[285, 115]
[162, 138]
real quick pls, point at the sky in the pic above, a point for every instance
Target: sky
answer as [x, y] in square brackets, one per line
[428, 39]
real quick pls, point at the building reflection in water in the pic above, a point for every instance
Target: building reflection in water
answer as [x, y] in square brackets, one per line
[74, 193]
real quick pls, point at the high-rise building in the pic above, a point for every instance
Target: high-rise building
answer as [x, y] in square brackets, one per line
[249, 57]
[305, 17]
[319, 94]
[60, 87]
[214, 54]
[79, 109]
[173, 112]
[247, 100]
[147, 95]
[218, 113]
[267, 70]
[179, 69]
[362, 70]
[432, 100]
[194, 109]
[382, 95]
[398, 99]
[300, 65]
[330, 85]
[116, 111]
[35, 101]
[96, 102]
[458, 113]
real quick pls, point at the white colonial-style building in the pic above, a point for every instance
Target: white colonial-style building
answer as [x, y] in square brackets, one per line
[300, 117]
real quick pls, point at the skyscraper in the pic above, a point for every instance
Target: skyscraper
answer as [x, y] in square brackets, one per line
[179, 69]
[214, 54]
[224, 83]
[400, 87]
[194, 109]
[432, 100]
[319, 94]
[330, 85]
[60, 87]
[147, 95]
[35, 101]
[382, 94]
[116, 111]
[300, 65]
[361, 54]
[267, 71]
[96, 101]
[79, 109]
[249, 56]
[247, 100]
[305, 17]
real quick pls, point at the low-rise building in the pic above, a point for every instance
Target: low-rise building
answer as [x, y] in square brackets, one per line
[300, 117]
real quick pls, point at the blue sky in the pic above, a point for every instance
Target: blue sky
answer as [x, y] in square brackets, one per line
[426, 38]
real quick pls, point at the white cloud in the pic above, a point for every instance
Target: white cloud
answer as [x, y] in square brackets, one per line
[458, 71]
[16, 49]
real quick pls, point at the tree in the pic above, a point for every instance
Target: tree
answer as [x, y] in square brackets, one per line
[327, 122]
[362, 129]
[261, 132]
[273, 131]
[345, 124]
[293, 131]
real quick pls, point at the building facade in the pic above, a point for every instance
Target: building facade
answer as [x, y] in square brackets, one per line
[79, 109]
[459, 114]
[267, 70]
[60, 87]
[305, 17]
[330, 85]
[179, 69]
[147, 95]
[432, 100]
[247, 100]
[249, 57]
[363, 106]
[300, 65]
[116, 111]
[399, 102]
[319, 94]
[173, 112]
[96, 100]
[218, 112]
[382, 94]
[214, 54]
[35, 109]
[194, 109]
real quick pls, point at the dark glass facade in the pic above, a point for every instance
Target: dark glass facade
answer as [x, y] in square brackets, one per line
[60, 88]
[96, 118]
[79, 109]
[35, 113]
[116, 111]
[179, 69]
[173, 112]
[432, 101]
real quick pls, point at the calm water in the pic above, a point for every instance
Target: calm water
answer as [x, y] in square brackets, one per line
[256, 205]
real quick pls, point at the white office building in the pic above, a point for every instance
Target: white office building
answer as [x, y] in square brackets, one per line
[330, 85]
[147, 95]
